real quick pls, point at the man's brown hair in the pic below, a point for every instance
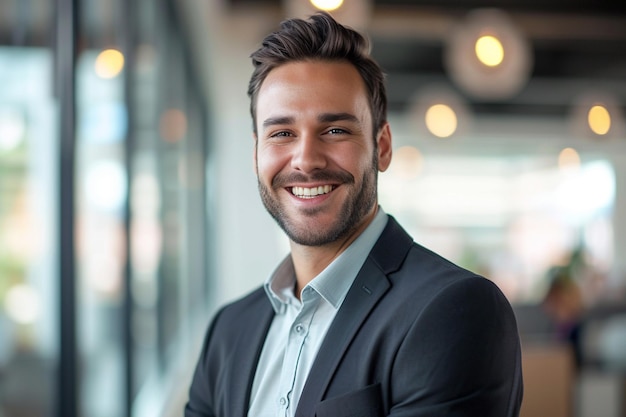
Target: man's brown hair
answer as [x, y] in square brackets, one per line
[319, 38]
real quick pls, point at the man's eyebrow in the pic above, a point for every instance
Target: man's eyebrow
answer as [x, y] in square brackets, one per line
[322, 118]
[281, 120]
[337, 117]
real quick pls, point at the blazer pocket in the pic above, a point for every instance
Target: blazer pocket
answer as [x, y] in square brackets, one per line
[366, 402]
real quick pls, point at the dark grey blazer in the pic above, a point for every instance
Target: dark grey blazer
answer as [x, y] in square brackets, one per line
[416, 336]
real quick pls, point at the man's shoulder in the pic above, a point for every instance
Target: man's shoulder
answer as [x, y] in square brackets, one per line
[396, 250]
[242, 314]
[412, 266]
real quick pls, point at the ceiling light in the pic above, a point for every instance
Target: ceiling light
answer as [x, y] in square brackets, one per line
[596, 114]
[439, 111]
[328, 5]
[489, 50]
[354, 13]
[487, 56]
[441, 120]
[599, 119]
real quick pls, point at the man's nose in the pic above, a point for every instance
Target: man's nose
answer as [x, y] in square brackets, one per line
[309, 153]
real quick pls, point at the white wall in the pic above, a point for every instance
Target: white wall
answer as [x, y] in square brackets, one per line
[248, 242]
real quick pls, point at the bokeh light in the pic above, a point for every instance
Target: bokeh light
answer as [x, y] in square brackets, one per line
[105, 185]
[441, 120]
[109, 63]
[569, 159]
[22, 304]
[489, 50]
[12, 129]
[328, 5]
[599, 119]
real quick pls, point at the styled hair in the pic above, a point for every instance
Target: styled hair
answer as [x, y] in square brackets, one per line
[319, 38]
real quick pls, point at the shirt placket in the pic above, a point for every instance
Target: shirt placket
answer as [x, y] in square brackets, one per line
[298, 332]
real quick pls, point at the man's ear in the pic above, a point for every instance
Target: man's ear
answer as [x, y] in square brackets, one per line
[383, 139]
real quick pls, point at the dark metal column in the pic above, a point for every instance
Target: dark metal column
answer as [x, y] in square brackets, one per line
[66, 27]
[128, 31]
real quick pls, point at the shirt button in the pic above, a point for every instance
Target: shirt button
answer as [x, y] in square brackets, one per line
[282, 401]
[299, 328]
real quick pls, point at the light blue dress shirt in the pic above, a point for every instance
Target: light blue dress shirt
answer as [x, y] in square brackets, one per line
[299, 327]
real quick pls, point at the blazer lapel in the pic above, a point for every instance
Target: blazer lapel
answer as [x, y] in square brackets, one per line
[368, 287]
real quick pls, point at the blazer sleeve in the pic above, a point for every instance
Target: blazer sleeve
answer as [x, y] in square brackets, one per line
[200, 402]
[461, 356]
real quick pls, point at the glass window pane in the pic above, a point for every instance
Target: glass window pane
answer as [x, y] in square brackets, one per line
[101, 193]
[28, 280]
[509, 218]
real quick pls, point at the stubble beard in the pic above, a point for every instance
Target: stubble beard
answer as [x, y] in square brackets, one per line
[358, 204]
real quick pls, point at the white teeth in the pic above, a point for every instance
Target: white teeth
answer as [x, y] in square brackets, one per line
[303, 192]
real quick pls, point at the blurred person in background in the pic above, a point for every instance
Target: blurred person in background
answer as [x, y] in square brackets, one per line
[564, 302]
[358, 319]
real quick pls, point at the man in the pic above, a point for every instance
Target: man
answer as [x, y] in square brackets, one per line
[358, 320]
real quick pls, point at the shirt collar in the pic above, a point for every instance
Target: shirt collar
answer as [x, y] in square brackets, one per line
[335, 280]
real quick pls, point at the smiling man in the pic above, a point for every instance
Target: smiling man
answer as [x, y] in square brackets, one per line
[317, 159]
[358, 320]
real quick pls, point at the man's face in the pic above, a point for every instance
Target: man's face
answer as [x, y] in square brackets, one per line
[315, 156]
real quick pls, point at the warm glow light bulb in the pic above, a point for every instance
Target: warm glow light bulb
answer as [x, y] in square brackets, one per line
[489, 50]
[109, 63]
[328, 5]
[569, 159]
[599, 120]
[441, 120]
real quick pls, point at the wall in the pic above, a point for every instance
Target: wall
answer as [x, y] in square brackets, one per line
[247, 238]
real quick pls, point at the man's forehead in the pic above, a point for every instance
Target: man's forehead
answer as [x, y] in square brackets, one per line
[309, 71]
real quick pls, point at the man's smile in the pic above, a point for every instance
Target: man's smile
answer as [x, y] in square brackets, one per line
[310, 192]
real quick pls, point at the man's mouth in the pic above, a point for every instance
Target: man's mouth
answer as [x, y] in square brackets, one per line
[306, 192]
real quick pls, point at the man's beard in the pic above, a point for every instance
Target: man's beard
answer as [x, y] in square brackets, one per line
[358, 203]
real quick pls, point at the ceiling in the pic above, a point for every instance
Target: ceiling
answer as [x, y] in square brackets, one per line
[575, 46]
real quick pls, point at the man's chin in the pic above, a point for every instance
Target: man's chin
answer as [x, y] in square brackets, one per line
[312, 232]
[308, 239]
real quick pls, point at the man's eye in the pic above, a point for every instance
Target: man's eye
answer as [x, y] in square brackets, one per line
[281, 134]
[337, 131]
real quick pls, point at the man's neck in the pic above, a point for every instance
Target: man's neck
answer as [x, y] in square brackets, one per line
[309, 261]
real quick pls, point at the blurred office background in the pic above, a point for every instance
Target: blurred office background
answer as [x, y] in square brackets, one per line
[129, 209]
